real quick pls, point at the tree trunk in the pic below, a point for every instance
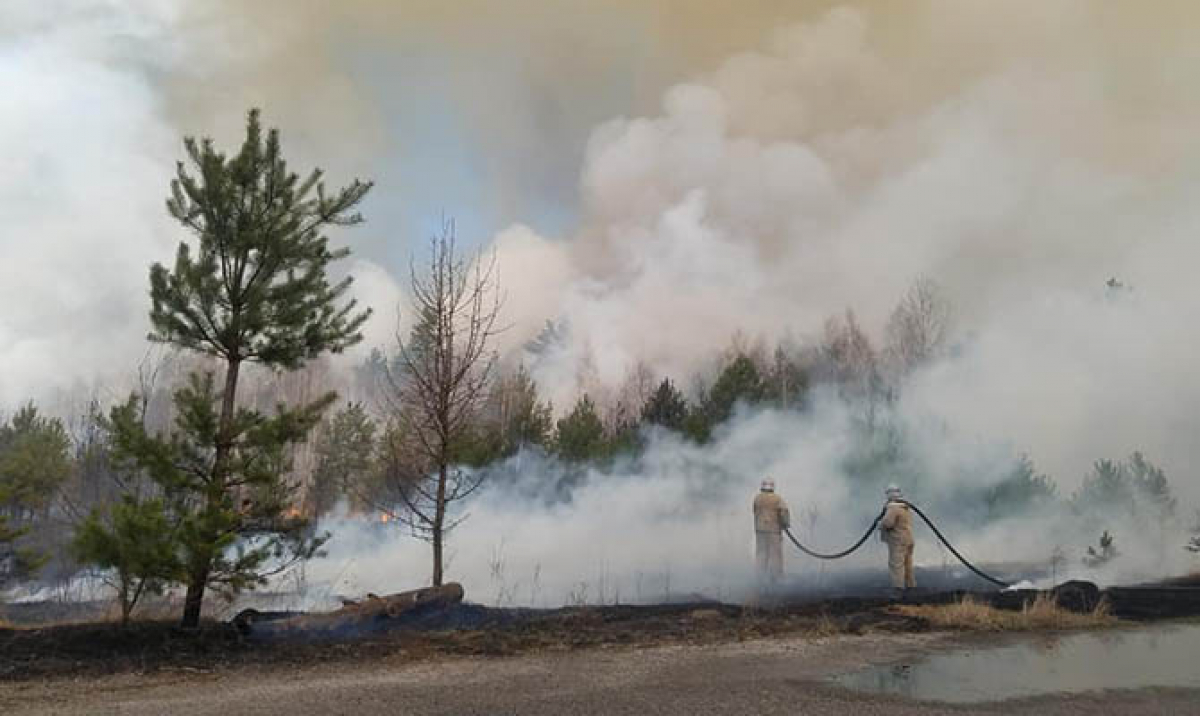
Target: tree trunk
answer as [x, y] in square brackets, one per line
[439, 520]
[228, 402]
[202, 563]
[192, 603]
[126, 605]
[132, 600]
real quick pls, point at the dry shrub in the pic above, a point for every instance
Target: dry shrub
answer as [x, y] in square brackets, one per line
[1040, 614]
[826, 626]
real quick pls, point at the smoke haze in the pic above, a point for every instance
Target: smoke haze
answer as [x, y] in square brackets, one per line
[660, 179]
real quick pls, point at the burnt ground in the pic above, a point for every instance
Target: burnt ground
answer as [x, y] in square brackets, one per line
[95, 649]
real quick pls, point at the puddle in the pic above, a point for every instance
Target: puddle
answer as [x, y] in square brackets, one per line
[1162, 655]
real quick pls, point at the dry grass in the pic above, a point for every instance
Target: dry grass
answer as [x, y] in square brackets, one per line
[1042, 613]
[826, 626]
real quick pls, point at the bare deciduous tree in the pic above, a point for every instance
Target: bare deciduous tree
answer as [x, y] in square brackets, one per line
[917, 329]
[436, 387]
[848, 357]
[639, 385]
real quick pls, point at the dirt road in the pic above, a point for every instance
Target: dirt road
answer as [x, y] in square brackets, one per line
[772, 676]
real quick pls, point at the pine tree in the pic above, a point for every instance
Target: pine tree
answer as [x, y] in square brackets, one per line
[622, 434]
[1151, 485]
[513, 417]
[1129, 486]
[34, 463]
[528, 421]
[1107, 487]
[253, 288]
[345, 458]
[740, 381]
[580, 435]
[1022, 490]
[133, 542]
[15, 561]
[8, 536]
[666, 407]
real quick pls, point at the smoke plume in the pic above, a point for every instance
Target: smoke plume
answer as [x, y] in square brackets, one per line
[660, 180]
[1019, 161]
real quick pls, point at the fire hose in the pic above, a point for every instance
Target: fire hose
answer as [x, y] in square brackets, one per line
[837, 555]
[862, 540]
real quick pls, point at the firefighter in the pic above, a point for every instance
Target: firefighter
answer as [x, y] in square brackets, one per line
[896, 530]
[771, 517]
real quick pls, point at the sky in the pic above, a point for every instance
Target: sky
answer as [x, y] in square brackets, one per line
[661, 176]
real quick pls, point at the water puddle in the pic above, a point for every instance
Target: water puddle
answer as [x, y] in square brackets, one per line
[1160, 655]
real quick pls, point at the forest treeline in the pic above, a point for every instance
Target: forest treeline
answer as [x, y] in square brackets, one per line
[60, 480]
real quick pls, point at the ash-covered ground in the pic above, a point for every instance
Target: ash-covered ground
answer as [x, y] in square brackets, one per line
[857, 606]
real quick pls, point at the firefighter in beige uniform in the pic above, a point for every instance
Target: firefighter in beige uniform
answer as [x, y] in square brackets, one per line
[771, 517]
[896, 530]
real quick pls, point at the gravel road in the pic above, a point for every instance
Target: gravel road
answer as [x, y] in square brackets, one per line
[771, 676]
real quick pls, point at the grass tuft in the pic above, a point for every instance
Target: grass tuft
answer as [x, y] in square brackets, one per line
[1043, 613]
[827, 626]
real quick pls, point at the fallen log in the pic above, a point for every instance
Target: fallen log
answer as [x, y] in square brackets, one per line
[370, 614]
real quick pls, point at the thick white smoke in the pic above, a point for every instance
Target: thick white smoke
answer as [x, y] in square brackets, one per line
[80, 139]
[89, 139]
[818, 174]
[677, 524]
[823, 173]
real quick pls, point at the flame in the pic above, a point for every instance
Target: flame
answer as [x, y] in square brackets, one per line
[384, 518]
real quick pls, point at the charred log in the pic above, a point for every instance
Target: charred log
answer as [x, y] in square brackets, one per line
[370, 614]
